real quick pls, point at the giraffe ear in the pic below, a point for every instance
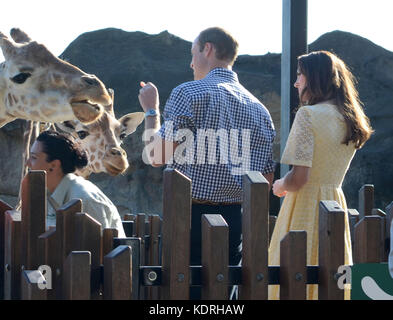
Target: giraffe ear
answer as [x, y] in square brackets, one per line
[7, 46]
[131, 121]
[19, 36]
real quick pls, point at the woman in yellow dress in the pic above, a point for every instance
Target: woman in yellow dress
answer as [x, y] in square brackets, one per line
[328, 128]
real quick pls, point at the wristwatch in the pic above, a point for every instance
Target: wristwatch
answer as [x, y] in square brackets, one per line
[151, 113]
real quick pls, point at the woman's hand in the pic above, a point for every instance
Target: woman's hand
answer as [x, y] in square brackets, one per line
[279, 188]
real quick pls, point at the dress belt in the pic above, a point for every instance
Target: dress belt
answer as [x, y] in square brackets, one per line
[211, 203]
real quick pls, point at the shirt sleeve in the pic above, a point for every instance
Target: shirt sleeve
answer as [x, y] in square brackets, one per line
[177, 115]
[299, 148]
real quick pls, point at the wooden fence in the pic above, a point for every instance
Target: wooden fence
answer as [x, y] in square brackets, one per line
[153, 261]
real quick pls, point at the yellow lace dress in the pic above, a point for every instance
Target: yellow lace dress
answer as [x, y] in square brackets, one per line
[315, 141]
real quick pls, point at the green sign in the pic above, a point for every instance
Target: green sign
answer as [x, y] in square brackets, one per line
[371, 281]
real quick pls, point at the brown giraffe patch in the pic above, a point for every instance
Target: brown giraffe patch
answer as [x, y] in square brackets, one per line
[46, 111]
[35, 114]
[33, 102]
[100, 154]
[57, 78]
[92, 158]
[16, 113]
[53, 101]
[10, 100]
[93, 149]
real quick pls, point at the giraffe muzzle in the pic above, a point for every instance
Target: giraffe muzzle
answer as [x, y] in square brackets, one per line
[115, 161]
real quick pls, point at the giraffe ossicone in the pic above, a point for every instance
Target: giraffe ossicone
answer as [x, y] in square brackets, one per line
[36, 85]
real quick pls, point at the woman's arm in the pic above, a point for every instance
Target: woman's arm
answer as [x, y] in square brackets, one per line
[296, 178]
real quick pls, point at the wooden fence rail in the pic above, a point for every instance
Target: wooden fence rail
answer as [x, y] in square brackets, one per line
[153, 261]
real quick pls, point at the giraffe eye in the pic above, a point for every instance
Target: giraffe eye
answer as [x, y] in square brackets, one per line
[21, 77]
[123, 136]
[82, 134]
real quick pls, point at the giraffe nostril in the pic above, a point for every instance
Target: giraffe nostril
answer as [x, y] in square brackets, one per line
[90, 80]
[116, 152]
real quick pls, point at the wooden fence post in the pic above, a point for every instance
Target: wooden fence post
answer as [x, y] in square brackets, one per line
[215, 257]
[154, 251]
[129, 225]
[65, 229]
[76, 283]
[3, 208]
[49, 244]
[176, 235]
[293, 266]
[331, 249]
[107, 241]
[135, 244]
[118, 274]
[389, 217]
[353, 219]
[366, 200]
[87, 237]
[272, 224]
[368, 240]
[33, 217]
[140, 224]
[12, 256]
[385, 237]
[255, 231]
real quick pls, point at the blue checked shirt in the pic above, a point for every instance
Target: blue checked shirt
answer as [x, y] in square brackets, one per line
[223, 131]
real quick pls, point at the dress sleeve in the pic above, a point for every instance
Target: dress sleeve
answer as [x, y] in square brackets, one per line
[300, 144]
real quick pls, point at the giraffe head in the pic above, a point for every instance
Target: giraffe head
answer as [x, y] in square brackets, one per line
[36, 85]
[102, 139]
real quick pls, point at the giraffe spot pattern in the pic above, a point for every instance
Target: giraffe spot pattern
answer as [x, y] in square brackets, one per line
[11, 103]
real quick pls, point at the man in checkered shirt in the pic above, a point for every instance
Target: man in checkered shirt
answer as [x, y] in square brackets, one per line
[214, 108]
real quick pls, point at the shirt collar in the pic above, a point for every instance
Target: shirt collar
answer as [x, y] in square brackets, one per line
[223, 73]
[61, 190]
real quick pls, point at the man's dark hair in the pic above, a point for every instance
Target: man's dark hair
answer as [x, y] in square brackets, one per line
[226, 46]
[58, 146]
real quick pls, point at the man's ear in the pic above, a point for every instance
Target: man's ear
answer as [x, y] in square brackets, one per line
[131, 121]
[208, 49]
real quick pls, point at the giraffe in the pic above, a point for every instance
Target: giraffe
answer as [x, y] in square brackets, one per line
[36, 85]
[102, 139]
[39, 87]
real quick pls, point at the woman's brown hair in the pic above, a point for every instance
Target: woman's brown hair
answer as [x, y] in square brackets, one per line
[328, 78]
